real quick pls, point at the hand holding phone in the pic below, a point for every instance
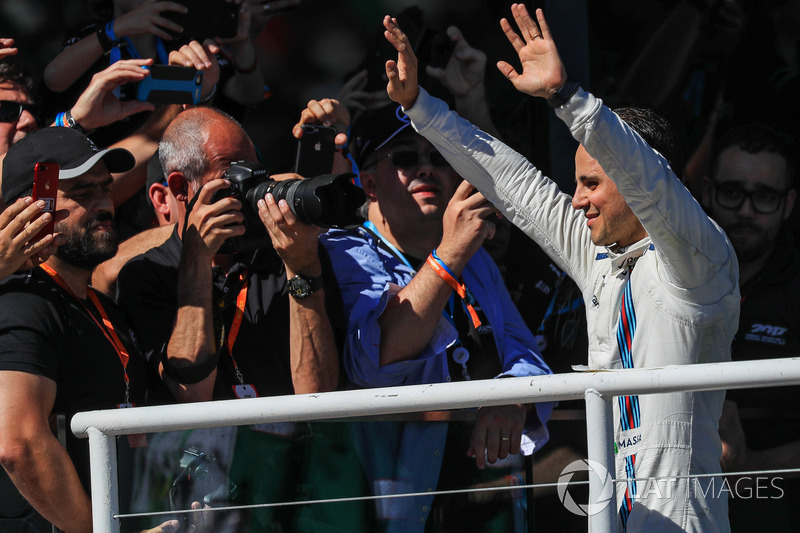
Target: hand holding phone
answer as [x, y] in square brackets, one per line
[170, 84]
[315, 151]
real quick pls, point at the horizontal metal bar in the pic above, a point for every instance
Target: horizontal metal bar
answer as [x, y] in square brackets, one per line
[415, 398]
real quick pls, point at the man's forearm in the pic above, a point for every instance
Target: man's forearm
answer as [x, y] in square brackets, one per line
[314, 357]
[411, 317]
[192, 340]
[46, 477]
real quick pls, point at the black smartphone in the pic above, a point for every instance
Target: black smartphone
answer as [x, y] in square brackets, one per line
[205, 19]
[315, 151]
[169, 84]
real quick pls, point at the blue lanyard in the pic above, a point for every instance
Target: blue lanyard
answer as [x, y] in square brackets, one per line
[161, 52]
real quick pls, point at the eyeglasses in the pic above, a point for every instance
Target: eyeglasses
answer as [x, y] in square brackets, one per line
[764, 201]
[410, 158]
[11, 111]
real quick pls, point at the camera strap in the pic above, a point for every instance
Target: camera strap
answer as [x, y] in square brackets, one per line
[242, 390]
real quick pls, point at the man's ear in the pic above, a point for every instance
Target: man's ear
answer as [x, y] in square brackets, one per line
[158, 196]
[368, 184]
[179, 186]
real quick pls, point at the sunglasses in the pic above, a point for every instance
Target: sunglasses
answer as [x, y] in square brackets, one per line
[410, 158]
[764, 201]
[11, 111]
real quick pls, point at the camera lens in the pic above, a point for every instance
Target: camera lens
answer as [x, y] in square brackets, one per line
[325, 201]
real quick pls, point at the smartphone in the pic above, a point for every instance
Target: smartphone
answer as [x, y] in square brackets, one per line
[169, 84]
[45, 187]
[205, 19]
[315, 151]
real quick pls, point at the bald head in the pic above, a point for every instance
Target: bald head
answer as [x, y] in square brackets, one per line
[188, 142]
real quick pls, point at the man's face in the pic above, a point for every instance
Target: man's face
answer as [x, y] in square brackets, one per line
[752, 234]
[89, 225]
[409, 193]
[226, 143]
[11, 132]
[609, 217]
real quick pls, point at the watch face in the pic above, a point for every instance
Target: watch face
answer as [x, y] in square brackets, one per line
[299, 287]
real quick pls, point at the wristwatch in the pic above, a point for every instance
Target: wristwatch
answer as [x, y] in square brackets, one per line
[563, 94]
[72, 123]
[301, 287]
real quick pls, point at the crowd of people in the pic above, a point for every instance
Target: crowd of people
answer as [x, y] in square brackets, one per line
[164, 282]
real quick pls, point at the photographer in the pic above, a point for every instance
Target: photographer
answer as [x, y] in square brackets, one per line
[218, 326]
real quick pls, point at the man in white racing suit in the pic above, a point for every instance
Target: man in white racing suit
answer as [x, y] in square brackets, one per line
[629, 209]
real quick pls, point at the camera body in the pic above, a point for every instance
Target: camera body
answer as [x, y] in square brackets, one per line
[330, 200]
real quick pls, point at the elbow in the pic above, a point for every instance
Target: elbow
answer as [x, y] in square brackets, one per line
[53, 80]
[15, 452]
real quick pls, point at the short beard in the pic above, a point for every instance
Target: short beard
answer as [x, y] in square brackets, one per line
[84, 249]
[754, 250]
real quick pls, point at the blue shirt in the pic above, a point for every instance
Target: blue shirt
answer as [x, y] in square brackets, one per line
[368, 277]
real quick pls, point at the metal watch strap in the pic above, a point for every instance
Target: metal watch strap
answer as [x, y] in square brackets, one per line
[563, 94]
[72, 123]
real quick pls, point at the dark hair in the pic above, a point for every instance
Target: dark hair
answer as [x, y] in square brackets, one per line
[14, 73]
[657, 132]
[756, 138]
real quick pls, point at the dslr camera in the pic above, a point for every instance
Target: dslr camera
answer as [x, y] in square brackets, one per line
[330, 200]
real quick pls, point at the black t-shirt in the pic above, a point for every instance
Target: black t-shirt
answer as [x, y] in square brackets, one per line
[47, 332]
[147, 291]
[769, 328]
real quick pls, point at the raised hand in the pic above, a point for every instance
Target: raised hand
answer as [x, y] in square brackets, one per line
[98, 105]
[465, 69]
[465, 226]
[18, 223]
[543, 72]
[201, 57]
[355, 98]
[328, 112]
[148, 17]
[403, 85]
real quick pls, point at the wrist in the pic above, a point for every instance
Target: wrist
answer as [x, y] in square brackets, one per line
[67, 120]
[562, 95]
[188, 374]
[306, 269]
[453, 263]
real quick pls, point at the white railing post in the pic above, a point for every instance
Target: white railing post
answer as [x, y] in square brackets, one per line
[105, 491]
[600, 438]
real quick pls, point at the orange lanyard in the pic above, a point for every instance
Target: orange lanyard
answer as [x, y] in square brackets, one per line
[457, 285]
[106, 327]
[241, 301]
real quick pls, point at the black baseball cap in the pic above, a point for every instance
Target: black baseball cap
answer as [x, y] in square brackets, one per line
[373, 129]
[74, 152]
[155, 174]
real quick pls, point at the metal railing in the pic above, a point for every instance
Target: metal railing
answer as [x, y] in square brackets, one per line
[597, 388]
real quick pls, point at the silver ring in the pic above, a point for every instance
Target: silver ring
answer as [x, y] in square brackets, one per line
[266, 8]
